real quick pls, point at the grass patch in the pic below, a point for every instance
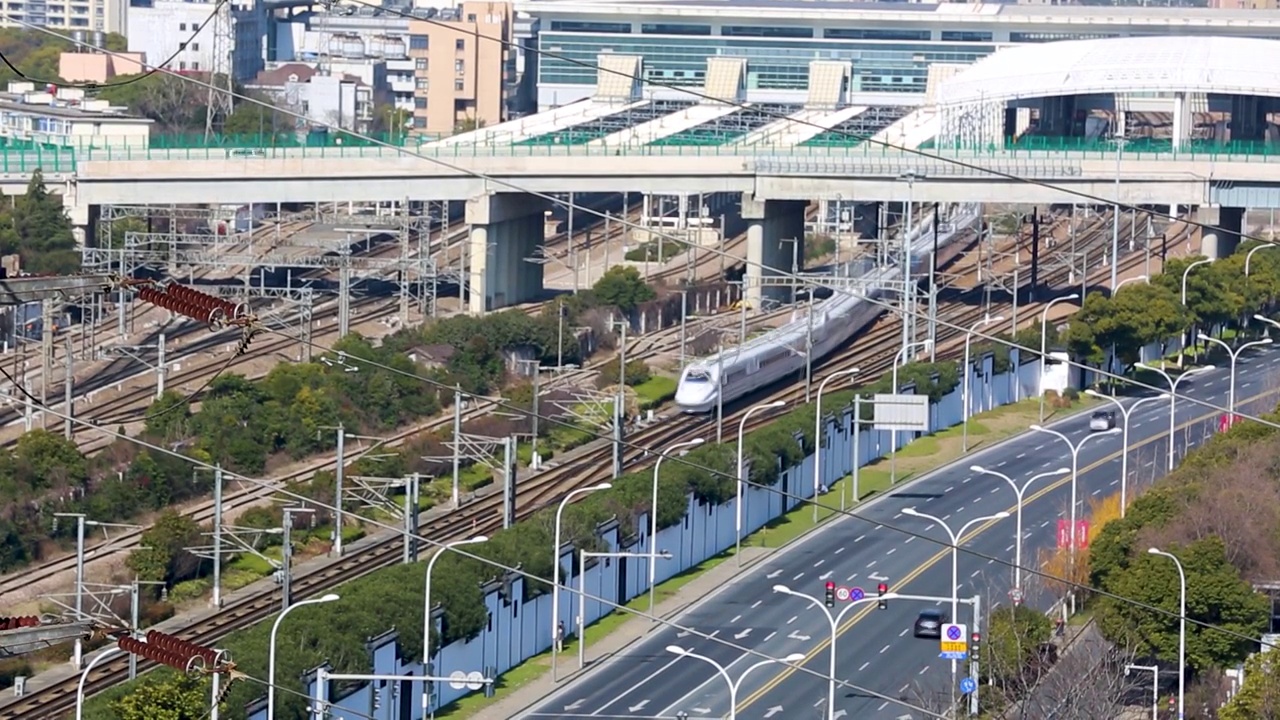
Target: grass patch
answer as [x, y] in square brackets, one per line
[655, 391]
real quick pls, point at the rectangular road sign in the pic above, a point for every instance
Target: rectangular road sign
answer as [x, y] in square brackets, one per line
[905, 413]
[955, 642]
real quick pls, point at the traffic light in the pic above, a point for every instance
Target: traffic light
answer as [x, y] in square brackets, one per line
[882, 589]
[977, 641]
[831, 594]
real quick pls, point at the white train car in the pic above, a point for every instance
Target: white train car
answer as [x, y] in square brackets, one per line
[764, 360]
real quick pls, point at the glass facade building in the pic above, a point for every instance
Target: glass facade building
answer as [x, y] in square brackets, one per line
[890, 45]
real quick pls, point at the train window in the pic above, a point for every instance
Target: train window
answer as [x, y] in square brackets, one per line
[698, 376]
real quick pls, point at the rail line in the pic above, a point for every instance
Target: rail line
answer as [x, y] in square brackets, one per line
[872, 351]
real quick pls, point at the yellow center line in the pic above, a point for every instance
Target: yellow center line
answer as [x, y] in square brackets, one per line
[946, 552]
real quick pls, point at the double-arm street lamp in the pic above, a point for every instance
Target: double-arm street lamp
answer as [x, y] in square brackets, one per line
[1234, 355]
[1044, 349]
[834, 621]
[1173, 399]
[724, 672]
[653, 516]
[1020, 491]
[1127, 414]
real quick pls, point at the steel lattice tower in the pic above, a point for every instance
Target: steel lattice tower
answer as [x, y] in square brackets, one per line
[220, 77]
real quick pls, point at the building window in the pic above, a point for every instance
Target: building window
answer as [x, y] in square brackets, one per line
[182, 27]
[419, 42]
[420, 103]
[420, 64]
[195, 47]
[422, 84]
[419, 122]
[460, 44]
[591, 27]
[459, 85]
[195, 65]
[765, 31]
[471, 17]
[858, 34]
[459, 66]
[965, 36]
[674, 29]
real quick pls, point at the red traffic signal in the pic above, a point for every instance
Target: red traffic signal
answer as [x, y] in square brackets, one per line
[882, 589]
[831, 594]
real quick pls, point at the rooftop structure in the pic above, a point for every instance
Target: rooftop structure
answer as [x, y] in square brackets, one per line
[889, 45]
[63, 117]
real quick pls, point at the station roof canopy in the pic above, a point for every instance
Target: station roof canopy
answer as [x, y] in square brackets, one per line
[1219, 65]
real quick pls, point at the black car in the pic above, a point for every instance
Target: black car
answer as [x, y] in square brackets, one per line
[929, 624]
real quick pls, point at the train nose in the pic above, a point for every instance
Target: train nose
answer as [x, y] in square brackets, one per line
[694, 398]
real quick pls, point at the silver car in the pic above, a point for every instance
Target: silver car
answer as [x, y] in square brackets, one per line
[1102, 421]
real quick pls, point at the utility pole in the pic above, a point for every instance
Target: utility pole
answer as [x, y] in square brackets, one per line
[286, 555]
[134, 593]
[217, 536]
[337, 497]
[68, 389]
[77, 653]
[411, 489]
[619, 409]
[457, 440]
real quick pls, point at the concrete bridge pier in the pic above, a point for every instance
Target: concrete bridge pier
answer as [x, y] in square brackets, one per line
[1218, 245]
[775, 237]
[506, 230]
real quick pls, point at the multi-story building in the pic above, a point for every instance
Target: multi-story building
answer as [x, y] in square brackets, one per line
[890, 45]
[341, 101]
[65, 117]
[162, 28]
[368, 44]
[104, 15]
[465, 67]
[88, 65]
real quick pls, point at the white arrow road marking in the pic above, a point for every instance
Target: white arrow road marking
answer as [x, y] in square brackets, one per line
[702, 711]
[797, 636]
[825, 576]
[773, 711]
[682, 633]
[877, 577]
[740, 635]
[773, 574]
[576, 704]
[839, 714]
[637, 708]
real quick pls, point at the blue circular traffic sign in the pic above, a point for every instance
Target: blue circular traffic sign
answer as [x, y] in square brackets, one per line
[967, 685]
[953, 633]
[856, 594]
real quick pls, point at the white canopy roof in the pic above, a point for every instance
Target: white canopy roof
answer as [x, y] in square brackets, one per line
[1229, 66]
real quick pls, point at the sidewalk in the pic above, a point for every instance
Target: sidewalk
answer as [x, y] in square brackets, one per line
[637, 628]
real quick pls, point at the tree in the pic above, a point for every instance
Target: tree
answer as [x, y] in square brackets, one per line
[1216, 596]
[173, 103]
[165, 696]
[41, 231]
[263, 122]
[1014, 637]
[164, 555]
[622, 287]
[1259, 696]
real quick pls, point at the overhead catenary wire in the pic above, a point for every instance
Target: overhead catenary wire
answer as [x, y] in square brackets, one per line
[118, 83]
[804, 280]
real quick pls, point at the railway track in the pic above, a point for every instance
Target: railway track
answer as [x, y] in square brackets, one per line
[872, 351]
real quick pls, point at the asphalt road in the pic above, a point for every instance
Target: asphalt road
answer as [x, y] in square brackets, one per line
[876, 650]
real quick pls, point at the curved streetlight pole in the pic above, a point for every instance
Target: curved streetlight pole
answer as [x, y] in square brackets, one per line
[1173, 398]
[834, 621]
[1020, 491]
[1044, 350]
[964, 393]
[1186, 274]
[742, 474]
[1075, 480]
[1126, 413]
[84, 676]
[426, 599]
[271, 659]
[1249, 256]
[555, 575]
[1182, 630]
[817, 435]
[1234, 355]
[724, 672]
[653, 518]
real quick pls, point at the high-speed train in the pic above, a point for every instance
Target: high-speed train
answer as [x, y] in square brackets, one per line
[778, 353]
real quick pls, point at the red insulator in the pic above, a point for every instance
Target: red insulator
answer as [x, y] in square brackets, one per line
[13, 623]
[182, 647]
[153, 653]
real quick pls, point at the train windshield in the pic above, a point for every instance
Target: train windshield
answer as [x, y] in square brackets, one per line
[697, 376]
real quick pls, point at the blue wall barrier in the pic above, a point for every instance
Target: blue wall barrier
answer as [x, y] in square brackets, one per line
[518, 630]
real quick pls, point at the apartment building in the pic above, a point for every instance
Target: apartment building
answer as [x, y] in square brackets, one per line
[465, 72]
[164, 27]
[342, 101]
[104, 15]
[65, 117]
